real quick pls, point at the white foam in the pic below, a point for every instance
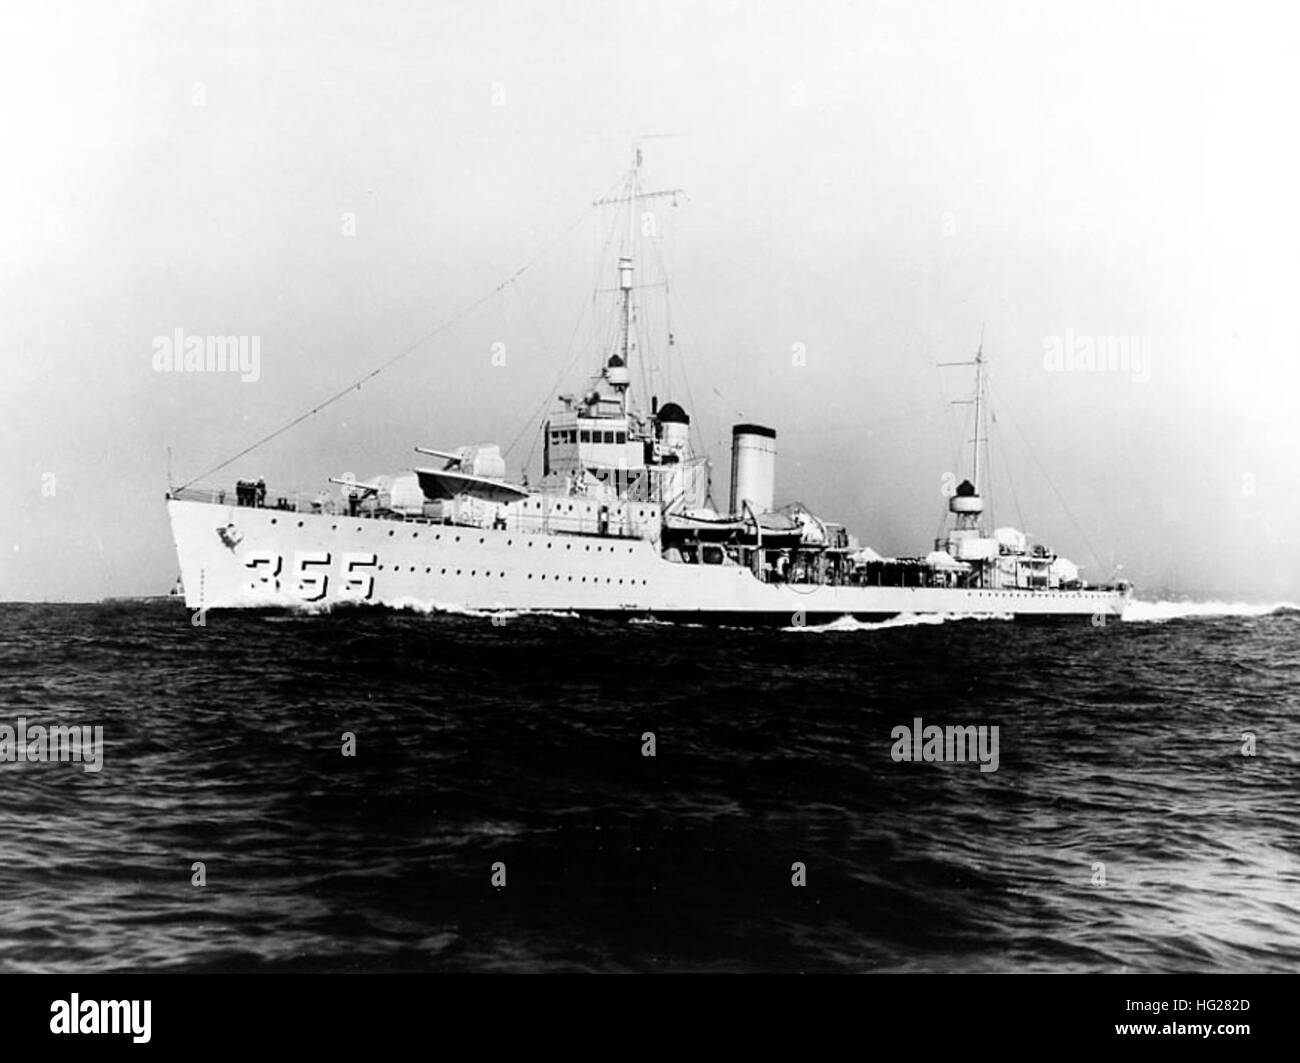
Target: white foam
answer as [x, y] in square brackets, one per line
[430, 605]
[652, 621]
[848, 623]
[427, 607]
[1140, 612]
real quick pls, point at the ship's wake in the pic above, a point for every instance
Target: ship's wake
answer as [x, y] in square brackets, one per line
[1140, 612]
[1137, 611]
[848, 623]
[420, 605]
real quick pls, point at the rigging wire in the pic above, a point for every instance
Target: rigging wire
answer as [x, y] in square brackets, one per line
[603, 344]
[981, 435]
[1051, 483]
[455, 318]
[671, 351]
[537, 328]
[1007, 465]
[548, 397]
[954, 447]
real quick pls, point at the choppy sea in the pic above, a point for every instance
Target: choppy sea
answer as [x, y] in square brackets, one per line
[499, 812]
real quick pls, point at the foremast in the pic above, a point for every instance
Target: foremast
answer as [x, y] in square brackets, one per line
[603, 441]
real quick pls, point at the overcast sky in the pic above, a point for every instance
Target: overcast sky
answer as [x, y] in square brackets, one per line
[868, 185]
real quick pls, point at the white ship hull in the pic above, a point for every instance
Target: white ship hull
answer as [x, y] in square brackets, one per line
[245, 557]
[622, 520]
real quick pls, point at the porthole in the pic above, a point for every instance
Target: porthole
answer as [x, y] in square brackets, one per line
[272, 520]
[390, 534]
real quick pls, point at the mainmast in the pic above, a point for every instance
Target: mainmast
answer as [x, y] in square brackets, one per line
[980, 437]
[979, 395]
[966, 542]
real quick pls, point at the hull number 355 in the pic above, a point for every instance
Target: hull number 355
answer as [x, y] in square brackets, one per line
[309, 576]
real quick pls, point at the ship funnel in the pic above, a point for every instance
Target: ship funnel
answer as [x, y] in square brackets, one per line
[674, 432]
[753, 467]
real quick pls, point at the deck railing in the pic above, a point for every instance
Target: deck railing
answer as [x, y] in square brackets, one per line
[293, 502]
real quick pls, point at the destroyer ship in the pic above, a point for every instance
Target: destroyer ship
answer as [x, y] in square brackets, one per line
[622, 522]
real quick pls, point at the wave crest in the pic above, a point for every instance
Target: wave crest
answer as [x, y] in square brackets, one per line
[1140, 612]
[848, 623]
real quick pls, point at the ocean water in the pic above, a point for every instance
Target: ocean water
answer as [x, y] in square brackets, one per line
[1123, 830]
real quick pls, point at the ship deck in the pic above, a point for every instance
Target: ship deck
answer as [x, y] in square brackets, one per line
[894, 573]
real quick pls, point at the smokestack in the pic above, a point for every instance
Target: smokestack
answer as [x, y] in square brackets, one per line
[674, 431]
[753, 468]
